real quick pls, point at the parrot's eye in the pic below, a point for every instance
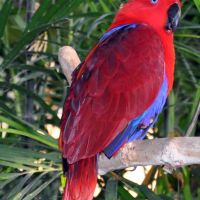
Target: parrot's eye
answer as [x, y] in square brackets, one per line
[154, 1]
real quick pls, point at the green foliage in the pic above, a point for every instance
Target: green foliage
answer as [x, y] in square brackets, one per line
[30, 163]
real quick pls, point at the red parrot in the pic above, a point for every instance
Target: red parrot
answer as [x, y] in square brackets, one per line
[118, 91]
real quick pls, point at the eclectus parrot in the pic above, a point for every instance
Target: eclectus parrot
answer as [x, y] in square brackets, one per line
[118, 91]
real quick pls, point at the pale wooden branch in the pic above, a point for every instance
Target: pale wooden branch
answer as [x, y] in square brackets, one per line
[68, 60]
[170, 152]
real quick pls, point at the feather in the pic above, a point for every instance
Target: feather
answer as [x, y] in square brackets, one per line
[81, 180]
[101, 106]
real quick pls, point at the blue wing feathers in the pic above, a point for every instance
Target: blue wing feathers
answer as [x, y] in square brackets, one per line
[133, 130]
[126, 26]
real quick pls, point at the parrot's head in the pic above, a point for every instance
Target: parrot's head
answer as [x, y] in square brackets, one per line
[162, 15]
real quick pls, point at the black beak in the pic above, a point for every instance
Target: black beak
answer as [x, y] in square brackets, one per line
[174, 14]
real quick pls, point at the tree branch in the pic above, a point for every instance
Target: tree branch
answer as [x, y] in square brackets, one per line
[170, 152]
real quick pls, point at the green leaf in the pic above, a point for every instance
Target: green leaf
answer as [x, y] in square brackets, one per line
[24, 157]
[41, 188]
[16, 165]
[111, 189]
[5, 176]
[19, 186]
[31, 94]
[4, 14]
[33, 184]
[22, 152]
[195, 103]
[186, 189]
[104, 6]
[171, 114]
[46, 16]
[124, 194]
[142, 188]
[197, 3]
[45, 139]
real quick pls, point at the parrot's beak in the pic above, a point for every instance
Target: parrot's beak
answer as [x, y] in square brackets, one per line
[174, 14]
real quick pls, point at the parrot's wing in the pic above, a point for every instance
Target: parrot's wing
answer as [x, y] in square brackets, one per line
[118, 81]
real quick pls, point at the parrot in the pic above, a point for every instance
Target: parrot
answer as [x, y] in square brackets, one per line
[118, 91]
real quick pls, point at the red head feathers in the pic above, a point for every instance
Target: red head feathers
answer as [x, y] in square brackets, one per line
[151, 12]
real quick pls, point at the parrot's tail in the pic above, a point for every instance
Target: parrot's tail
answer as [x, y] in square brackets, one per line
[81, 180]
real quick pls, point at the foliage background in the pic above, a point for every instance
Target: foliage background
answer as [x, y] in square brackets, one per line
[33, 89]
